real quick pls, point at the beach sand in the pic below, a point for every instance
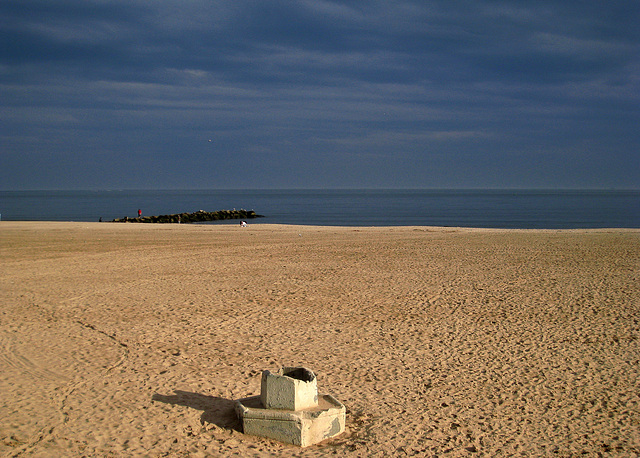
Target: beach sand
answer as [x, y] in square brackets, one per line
[134, 340]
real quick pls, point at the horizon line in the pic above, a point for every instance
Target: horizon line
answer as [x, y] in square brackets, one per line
[479, 188]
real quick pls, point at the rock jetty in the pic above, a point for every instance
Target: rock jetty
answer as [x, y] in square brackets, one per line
[197, 217]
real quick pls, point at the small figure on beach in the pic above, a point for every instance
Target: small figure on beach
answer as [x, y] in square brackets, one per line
[139, 213]
[243, 224]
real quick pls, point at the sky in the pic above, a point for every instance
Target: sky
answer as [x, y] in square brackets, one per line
[280, 94]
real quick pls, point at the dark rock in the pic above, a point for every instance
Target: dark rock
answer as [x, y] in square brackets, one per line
[196, 217]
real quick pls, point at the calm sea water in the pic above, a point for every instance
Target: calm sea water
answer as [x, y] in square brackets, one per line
[466, 208]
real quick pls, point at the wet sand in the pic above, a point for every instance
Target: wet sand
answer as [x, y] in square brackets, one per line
[134, 340]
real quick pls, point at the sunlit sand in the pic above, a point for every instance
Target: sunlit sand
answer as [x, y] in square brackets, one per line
[134, 340]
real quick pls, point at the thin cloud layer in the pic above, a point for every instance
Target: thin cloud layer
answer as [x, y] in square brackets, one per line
[408, 94]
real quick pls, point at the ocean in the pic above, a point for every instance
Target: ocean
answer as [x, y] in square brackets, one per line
[511, 209]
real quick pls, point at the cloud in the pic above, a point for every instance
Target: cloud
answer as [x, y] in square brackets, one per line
[317, 78]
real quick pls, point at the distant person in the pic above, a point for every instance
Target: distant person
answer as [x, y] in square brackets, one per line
[139, 213]
[243, 224]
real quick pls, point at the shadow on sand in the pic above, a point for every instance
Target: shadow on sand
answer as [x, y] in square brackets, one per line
[215, 410]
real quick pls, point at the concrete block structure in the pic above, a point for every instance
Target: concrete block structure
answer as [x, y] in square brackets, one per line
[291, 388]
[290, 410]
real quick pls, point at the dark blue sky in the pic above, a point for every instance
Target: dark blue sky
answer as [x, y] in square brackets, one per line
[105, 94]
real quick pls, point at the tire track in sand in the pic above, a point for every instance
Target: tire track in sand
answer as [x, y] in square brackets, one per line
[49, 431]
[12, 358]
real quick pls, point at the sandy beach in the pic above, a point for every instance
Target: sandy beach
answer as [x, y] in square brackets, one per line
[134, 340]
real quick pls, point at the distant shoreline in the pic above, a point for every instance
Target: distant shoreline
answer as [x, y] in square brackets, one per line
[105, 225]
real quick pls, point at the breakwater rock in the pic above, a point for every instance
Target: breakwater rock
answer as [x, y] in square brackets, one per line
[196, 217]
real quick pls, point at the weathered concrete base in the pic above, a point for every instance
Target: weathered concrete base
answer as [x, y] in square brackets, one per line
[301, 427]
